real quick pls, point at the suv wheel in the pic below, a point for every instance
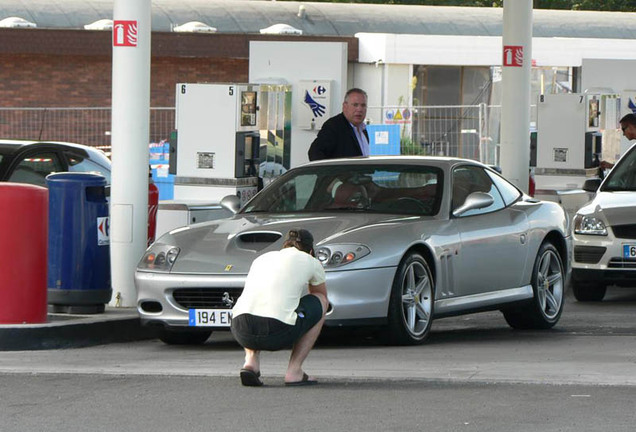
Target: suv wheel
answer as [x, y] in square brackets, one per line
[588, 291]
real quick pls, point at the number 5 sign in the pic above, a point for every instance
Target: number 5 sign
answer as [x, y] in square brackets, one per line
[125, 33]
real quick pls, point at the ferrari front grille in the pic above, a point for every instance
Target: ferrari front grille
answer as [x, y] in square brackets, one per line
[206, 298]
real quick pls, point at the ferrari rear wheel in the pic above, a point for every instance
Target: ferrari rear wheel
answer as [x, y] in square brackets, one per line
[411, 304]
[548, 284]
[183, 337]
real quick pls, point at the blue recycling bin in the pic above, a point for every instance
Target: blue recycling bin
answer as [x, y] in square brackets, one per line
[78, 278]
[163, 180]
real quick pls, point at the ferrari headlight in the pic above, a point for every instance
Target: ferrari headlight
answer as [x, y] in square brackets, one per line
[589, 225]
[159, 258]
[341, 254]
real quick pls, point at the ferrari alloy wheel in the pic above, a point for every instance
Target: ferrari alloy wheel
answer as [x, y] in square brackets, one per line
[548, 284]
[411, 305]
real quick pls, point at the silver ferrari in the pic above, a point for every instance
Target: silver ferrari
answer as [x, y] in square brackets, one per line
[403, 240]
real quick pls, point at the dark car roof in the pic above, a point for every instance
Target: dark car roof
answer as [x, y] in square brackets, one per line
[12, 147]
[8, 147]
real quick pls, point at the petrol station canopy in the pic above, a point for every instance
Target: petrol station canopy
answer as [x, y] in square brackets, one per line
[326, 19]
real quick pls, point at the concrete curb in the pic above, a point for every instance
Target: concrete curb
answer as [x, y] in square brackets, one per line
[73, 331]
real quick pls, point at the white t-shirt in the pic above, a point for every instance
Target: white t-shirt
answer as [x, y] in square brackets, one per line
[276, 282]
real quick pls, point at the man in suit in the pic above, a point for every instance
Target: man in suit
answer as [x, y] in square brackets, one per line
[628, 126]
[344, 135]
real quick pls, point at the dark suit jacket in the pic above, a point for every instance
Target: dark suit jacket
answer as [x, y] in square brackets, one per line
[336, 139]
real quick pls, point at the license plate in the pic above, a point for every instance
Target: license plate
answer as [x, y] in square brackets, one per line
[629, 251]
[210, 317]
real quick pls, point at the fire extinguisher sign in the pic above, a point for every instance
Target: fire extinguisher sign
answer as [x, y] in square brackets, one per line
[125, 33]
[513, 55]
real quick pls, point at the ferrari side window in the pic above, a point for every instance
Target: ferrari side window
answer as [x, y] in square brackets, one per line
[509, 193]
[470, 179]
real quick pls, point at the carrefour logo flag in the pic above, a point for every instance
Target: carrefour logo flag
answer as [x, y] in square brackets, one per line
[103, 231]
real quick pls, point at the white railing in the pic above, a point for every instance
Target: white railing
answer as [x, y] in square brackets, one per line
[470, 131]
[90, 126]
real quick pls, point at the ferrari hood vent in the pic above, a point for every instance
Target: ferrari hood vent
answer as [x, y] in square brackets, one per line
[257, 241]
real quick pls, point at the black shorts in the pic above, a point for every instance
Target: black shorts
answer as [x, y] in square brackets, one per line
[269, 334]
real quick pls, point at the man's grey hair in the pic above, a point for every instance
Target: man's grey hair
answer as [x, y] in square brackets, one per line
[355, 90]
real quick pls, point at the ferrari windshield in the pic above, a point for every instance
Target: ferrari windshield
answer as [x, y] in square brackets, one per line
[399, 189]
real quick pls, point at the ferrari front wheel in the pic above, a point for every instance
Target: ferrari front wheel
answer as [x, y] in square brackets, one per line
[411, 303]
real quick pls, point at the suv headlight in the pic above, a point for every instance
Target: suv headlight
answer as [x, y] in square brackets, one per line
[589, 225]
[341, 254]
[159, 258]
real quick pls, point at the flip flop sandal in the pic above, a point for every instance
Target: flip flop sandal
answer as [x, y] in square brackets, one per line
[250, 378]
[303, 382]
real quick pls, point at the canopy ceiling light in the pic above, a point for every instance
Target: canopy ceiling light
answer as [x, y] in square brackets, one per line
[102, 24]
[281, 29]
[194, 27]
[16, 22]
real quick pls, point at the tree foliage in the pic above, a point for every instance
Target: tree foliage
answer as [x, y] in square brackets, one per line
[596, 5]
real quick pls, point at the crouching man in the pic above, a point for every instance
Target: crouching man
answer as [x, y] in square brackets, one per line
[275, 312]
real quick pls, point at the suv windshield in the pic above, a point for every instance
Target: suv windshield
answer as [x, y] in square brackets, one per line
[409, 190]
[623, 176]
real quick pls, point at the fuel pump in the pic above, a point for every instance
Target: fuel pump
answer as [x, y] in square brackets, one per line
[218, 141]
[574, 133]
[230, 139]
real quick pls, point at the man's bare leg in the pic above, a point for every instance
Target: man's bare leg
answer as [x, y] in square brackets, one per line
[304, 345]
[252, 360]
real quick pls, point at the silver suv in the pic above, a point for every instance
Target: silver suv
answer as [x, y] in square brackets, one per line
[604, 234]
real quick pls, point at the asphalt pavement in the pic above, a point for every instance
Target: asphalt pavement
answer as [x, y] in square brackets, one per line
[114, 403]
[593, 344]
[474, 373]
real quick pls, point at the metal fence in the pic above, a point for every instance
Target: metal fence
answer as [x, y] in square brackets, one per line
[89, 126]
[470, 131]
[461, 130]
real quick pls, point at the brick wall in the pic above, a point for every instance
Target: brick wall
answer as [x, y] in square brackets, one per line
[85, 81]
[166, 72]
[70, 68]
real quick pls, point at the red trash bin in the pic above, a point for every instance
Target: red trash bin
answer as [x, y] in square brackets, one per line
[153, 207]
[23, 256]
